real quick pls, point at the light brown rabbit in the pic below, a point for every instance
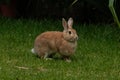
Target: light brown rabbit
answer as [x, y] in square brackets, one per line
[51, 42]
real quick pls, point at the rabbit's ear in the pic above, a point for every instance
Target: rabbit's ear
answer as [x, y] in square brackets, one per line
[70, 22]
[64, 23]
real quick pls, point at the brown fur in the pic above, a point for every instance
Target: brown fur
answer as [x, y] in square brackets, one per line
[51, 42]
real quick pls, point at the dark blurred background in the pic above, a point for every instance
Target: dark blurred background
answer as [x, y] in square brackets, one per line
[84, 11]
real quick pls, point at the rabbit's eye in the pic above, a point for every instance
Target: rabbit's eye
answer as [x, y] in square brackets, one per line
[69, 32]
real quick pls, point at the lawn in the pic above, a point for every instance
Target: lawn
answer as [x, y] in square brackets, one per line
[97, 56]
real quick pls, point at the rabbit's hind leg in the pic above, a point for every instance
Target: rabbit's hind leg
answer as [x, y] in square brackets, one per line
[45, 56]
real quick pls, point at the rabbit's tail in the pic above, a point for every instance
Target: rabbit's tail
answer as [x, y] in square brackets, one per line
[33, 51]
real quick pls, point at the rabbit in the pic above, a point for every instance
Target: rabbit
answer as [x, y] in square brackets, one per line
[49, 43]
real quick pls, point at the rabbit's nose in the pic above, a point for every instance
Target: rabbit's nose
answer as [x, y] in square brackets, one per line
[77, 38]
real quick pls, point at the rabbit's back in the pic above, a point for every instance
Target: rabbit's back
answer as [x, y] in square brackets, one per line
[48, 41]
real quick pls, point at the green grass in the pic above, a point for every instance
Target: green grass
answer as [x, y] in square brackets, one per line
[97, 56]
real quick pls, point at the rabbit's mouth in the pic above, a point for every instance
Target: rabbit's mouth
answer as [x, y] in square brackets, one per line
[73, 39]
